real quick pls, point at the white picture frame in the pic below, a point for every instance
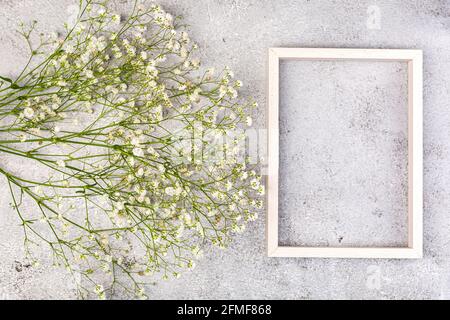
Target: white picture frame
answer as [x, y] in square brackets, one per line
[415, 152]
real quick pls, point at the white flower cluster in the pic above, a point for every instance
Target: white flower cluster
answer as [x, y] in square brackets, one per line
[152, 168]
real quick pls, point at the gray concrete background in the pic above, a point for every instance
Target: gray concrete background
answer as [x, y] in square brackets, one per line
[369, 206]
[343, 153]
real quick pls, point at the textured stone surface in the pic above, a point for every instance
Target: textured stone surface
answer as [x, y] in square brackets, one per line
[343, 153]
[237, 33]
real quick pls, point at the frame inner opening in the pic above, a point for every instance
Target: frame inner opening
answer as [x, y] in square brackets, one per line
[343, 171]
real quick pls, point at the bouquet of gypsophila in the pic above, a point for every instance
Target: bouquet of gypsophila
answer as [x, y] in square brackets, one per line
[137, 151]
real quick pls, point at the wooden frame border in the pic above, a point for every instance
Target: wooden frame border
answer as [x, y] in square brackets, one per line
[415, 152]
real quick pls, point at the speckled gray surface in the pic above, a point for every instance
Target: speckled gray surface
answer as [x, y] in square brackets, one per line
[237, 33]
[343, 153]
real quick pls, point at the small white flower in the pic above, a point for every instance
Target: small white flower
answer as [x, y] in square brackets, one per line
[138, 152]
[211, 213]
[120, 205]
[53, 36]
[161, 58]
[135, 141]
[233, 93]
[140, 172]
[254, 183]
[253, 216]
[142, 195]
[123, 87]
[249, 121]
[183, 52]
[141, 293]
[101, 11]
[261, 190]
[195, 63]
[100, 291]
[184, 36]
[176, 46]
[38, 190]
[191, 264]
[223, 91]
[61, 163]
[89, 74]
[115, 18]
[28, 112]
[114, 91]
[69, 48]
[105, 267]
[229, 73]
[170, 191]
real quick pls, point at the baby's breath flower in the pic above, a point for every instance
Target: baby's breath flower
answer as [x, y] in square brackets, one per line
[100, 291]
[61, 163]
[138, 152]
[101, 11]
[115, 18]
[140, 172]
[111, 97]
[28, 112]
[144, 55]
[140, 293]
